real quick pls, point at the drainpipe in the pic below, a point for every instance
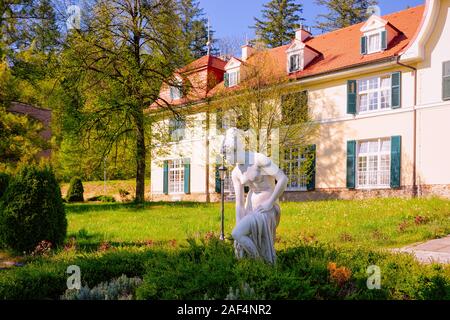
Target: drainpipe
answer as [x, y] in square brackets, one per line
[415, 189]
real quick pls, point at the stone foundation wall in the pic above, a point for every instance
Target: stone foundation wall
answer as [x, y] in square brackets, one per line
[435, 190]
[442, 191]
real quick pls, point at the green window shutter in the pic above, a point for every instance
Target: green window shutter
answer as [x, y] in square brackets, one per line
[187, 176]
[226, 80]
[166, 177]
[311, 172]
[396, 91]
[383, 40]
[363, 45]
[351, 164]
[446, 81]
[351, 96]
[396, 157]
[217, 178]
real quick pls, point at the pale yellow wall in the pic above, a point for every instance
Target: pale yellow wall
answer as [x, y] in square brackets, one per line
[328, 100]
[434, 145]
[437, 50]
[328, 105]
[433, 114]
[331, 165]
[193, 147]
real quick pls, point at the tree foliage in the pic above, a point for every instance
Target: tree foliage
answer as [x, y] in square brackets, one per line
[117, 64]
[274, 116]
[342, 13]
[280, 20]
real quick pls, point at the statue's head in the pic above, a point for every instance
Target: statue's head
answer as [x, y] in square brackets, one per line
[233, 146]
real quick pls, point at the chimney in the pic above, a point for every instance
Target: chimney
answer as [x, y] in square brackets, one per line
[302, 33]
[247, 51]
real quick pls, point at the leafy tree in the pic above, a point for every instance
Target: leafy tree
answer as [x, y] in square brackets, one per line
[342, 13]
[272, 115]
[280, 19]
[118, 63]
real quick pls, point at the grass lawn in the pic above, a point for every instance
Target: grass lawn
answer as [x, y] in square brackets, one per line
[376, 223]
[323, 248]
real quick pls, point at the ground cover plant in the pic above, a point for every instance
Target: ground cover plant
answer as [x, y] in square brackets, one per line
[324, 250]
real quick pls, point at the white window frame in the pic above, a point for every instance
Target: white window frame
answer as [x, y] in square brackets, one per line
[292, 166]
[371, 36]
[382, 175]
[378, 91]
[234, 78]
[176, 176]
[298, 54]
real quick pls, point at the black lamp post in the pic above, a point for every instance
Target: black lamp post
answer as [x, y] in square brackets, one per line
[222, 173]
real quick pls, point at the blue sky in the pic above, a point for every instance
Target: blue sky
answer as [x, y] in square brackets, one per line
[232, 18]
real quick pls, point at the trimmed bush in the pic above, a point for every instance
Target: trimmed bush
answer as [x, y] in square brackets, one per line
[75, 192]
[4, 181]
[32, 210]
[106, 199]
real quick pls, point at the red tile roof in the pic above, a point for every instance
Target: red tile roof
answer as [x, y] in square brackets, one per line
[203, 62]
[339, 49]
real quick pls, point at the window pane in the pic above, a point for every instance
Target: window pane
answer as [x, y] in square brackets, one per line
[373, 83]
[374, 164]
[386, 145]
[374, 43]
[363, 102]
[362, 85]
[385, 99]
[363, 147]
[373, 101]
[386, 82]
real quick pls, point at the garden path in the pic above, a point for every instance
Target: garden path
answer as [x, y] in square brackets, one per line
[437, 250]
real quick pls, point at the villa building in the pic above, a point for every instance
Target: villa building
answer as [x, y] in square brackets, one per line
[379, 92]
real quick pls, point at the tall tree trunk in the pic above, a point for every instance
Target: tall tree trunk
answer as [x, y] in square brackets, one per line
[140, 157]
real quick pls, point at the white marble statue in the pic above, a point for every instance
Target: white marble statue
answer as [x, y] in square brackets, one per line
[257, 216]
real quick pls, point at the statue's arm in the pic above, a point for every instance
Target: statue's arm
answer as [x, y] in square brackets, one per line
[280, 186]
[239, 193]
[271, 169]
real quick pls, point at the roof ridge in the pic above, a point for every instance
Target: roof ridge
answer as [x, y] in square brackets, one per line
[312, 37]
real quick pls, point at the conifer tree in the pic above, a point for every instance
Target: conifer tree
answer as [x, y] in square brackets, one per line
[279, 21]
[342, 13]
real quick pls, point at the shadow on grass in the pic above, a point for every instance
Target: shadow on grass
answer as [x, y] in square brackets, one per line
[95, 207]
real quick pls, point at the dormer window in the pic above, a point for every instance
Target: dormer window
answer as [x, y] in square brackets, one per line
[232, 78]
[176, 92]
[294, 62]
[374, 42]
[376, 35]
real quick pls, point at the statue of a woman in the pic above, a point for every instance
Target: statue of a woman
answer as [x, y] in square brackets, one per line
[257, 216]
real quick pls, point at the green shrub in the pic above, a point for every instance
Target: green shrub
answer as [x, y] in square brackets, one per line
[46, 278]
[105, 199]
[122, 288]
[75, 192]
[4, 181]
[32, 210]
